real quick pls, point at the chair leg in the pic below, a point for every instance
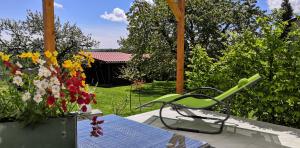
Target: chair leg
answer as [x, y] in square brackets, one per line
[220, 129]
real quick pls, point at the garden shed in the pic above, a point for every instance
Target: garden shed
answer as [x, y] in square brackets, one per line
[106, 68]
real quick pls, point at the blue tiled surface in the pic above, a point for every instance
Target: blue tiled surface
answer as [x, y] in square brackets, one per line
[123, 133]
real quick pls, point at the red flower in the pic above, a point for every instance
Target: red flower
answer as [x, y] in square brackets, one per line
[50, 100]
[73, 89]
[86, 95]
[64, 105]
[80, 100]
[84, 108]
[97, 130]
[14, 69]
[62, 95]
[87, 101]
[7, 64]
[73, 98]
[94, 119]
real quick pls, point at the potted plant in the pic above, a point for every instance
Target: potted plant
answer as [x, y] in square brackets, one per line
[38, 98]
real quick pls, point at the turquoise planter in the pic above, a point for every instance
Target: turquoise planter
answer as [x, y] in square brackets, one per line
[53, 133]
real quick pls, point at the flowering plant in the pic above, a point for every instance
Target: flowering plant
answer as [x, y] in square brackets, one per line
[38, 87]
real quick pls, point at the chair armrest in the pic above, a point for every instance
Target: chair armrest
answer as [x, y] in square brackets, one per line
[204, 88]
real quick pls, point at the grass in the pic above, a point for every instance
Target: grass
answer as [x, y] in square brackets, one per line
[115, 100]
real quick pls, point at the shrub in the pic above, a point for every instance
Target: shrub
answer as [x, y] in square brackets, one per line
[275, 98]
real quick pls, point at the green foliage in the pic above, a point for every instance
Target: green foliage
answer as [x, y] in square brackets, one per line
[287, 15]
[152, 30]
[200, 68]
[288, 10]
[275, 98]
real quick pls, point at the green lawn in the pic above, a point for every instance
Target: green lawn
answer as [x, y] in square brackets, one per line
[115, 100]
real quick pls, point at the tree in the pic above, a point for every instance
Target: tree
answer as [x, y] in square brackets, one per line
[288, 10]
[275, 98]
[19, 36]
[152, 30]
[287, 16]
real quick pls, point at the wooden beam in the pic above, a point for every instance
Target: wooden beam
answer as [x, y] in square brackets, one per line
[175, 9]
[180, 48]
[49, 32]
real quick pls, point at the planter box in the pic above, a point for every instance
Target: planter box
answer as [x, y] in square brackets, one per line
[53, 133]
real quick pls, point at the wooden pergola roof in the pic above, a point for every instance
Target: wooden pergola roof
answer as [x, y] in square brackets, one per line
[178, 9]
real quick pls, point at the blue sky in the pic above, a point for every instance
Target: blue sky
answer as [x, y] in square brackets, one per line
[104, 19]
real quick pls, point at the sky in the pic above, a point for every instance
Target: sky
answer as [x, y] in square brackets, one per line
[105, 20]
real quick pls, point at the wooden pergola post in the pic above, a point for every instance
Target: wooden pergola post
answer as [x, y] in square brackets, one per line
[178, 9]
[49, 30]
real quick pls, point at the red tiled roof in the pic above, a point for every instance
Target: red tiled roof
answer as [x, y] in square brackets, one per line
[112, 57]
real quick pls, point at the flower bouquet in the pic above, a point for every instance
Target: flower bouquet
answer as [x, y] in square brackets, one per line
[36, 88]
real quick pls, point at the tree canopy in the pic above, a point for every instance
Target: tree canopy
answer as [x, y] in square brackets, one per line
[17, 36]
[287, 15]
[152, 30]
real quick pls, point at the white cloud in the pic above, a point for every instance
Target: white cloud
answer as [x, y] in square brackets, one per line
[274, 4]
[58, 5]
[117, 15]
[149, 1]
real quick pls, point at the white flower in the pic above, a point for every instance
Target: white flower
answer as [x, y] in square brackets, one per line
[19, 65]
[53, 69]
[26, 96]
[41, 62]
[56, 91]
[37, 83]
[41, 91]
[44, 72]
[19, 72]
[44, 84]
[54, 81]
[37, 98]
[18, 81]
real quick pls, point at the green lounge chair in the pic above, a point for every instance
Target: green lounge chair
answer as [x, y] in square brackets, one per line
[192, 100]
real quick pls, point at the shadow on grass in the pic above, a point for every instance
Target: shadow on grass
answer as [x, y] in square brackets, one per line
[156, 88]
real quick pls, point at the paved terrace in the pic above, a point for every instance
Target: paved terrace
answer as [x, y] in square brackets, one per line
[238, 132]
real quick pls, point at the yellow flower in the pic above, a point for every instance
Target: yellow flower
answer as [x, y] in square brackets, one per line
[55, 53]
[73, 73]
[77, 66]
[83, 83]
[67, 64]
[83, 75]
[53, 61]
[35, 57]
[5, 57]
[48, 54]
[26, 55]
